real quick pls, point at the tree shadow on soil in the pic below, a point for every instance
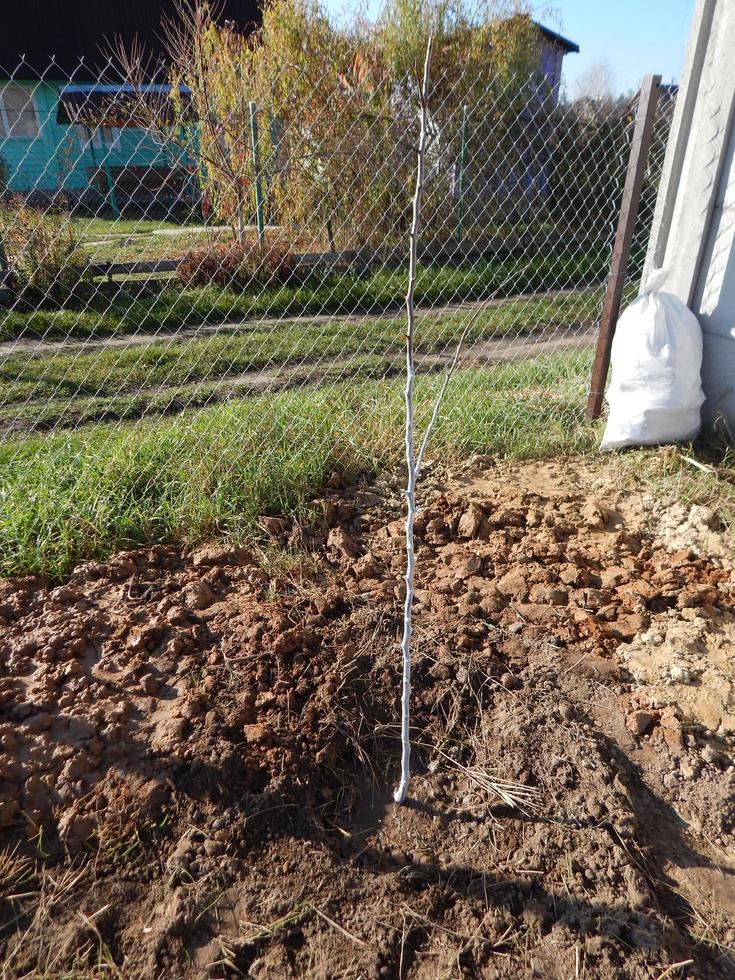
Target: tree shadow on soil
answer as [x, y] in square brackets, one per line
[660, 840]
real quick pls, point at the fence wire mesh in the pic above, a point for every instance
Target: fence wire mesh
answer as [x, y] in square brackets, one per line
[202, 305]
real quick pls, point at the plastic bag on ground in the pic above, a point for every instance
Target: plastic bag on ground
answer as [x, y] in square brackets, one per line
[655, 392]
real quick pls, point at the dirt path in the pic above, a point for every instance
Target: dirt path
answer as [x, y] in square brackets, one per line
[199, 747]
[30, 345]
[326, 370]
[482, 352]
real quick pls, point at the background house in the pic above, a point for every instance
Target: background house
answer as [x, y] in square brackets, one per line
[554, 49]
[47, 46]
[54, 53]
[517, 170]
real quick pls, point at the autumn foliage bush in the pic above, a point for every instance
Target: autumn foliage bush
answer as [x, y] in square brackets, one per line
[237, 264]
[42, 249]
[335, 110]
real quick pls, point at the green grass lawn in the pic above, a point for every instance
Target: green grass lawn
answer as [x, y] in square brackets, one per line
[343, 292]
[148, 247]
[96, 227]
[85, 494]
[58, 387]
[138, 239]
[131, 239]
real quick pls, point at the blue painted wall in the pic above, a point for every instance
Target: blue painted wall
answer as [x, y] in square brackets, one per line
[57, 159]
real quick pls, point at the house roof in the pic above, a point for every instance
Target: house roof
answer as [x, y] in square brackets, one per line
[569, 46]
[68, 30]
[114, 105]
[36, 31]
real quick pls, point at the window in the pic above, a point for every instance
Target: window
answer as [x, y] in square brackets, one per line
[103, 136]
[18, 118]
[110, 136]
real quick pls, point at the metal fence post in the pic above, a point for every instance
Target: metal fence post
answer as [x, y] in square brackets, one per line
[461, 175]
[105, 169]
[4, 269]
[256, 168]
[637, 163]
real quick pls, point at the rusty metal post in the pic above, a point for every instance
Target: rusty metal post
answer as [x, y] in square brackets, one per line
[623, 238]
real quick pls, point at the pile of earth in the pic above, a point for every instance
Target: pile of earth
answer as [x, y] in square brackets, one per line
[198, 749]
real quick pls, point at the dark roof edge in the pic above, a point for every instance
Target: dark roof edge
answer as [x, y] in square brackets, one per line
[564, 42]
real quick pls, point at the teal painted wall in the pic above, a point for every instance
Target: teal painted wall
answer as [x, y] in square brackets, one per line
[56, 159]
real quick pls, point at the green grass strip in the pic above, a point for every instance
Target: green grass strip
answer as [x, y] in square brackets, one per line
[56, 376]
[343, 292]
[200, 474]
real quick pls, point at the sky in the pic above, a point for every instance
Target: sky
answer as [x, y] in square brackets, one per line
[634, 37]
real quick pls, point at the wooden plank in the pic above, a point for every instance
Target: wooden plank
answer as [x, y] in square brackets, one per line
[112, 287]
[307, 259]
[637, 163]
[109, 269]
[361, 258]
[347, 257]
[136, 268]
[464, 249]
[504, 244]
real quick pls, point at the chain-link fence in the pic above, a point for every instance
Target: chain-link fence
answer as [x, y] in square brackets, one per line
[202, 289]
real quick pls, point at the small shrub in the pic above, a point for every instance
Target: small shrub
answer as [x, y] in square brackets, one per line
[42, 249]
[237, 264]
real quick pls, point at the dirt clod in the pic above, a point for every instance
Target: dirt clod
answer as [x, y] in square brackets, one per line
[203, 745]
[639, 722]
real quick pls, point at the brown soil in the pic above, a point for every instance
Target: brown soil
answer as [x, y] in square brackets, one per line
[199, 749]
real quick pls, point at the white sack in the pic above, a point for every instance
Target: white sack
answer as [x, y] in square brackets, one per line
[655, 392]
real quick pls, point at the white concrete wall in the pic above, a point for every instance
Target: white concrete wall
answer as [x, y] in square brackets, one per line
[694, 228]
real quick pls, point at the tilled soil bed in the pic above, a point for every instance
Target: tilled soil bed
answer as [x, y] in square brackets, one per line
[199, 748]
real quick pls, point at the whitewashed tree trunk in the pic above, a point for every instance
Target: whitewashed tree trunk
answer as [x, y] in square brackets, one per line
[411, 462]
